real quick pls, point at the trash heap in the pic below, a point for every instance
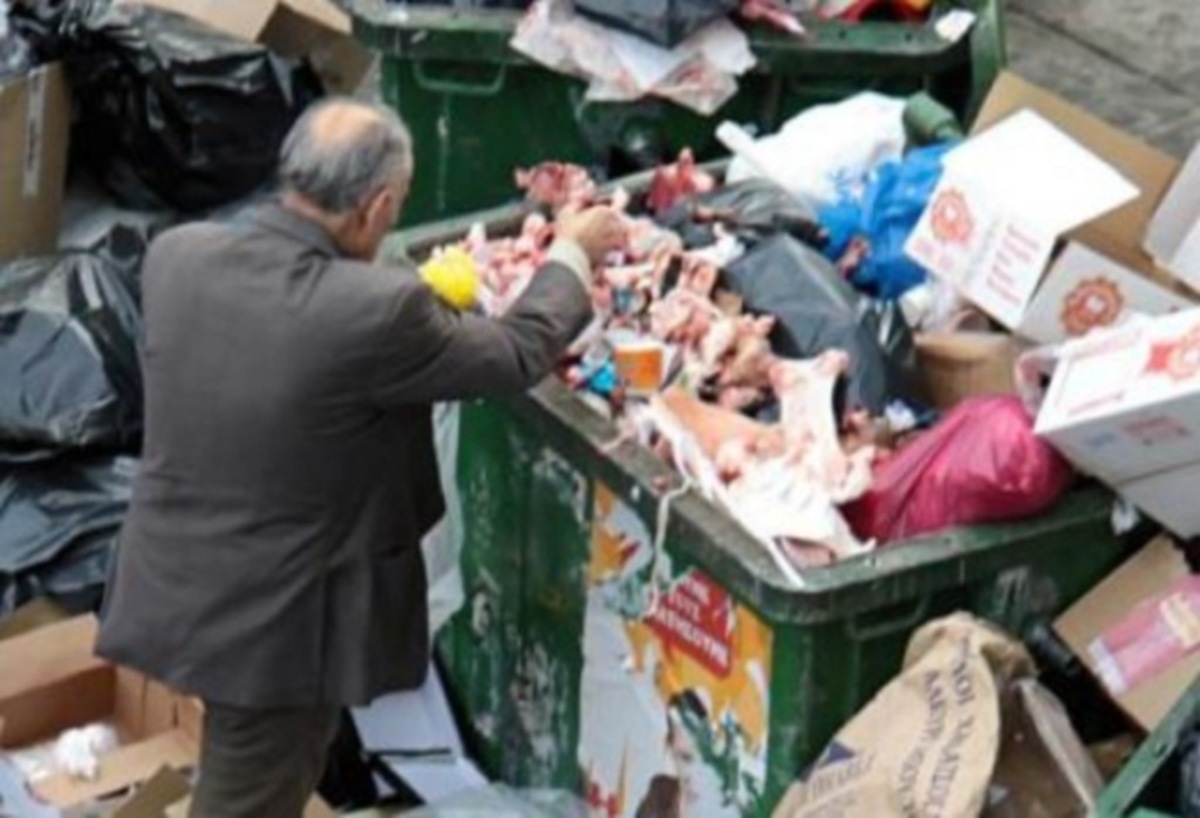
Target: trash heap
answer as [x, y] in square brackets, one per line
[774, 367]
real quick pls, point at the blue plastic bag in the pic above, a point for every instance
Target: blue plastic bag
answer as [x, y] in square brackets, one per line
[884, 217]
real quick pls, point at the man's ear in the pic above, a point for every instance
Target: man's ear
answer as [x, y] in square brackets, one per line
[380, 206]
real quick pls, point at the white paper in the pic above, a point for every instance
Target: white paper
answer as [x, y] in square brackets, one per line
[415, 721]
[1041, 173]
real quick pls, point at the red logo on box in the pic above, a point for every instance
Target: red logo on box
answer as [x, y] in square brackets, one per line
[1178, 359]
[951, 220]
[1095, 302]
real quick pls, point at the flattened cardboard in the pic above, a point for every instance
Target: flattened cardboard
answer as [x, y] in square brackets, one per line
[1146, 574]
[165, 788]
[316, 29]
[35, 120]
[120, 769]
[960, 365]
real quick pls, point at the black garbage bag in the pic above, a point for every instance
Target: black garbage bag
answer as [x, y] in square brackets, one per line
[665, 22]
[816, 310]
[172, 112]
[752, 209]
[1189, 773]
[69, 330]
[59, 522]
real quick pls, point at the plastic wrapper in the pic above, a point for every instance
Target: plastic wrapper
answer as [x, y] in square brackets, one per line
[171, 111]
[59, 523]
[16, 57]
[873, 228]
[665, 22]
[69, 328]
[753, 210]
[827, 151]
[981, 464]
[700, 74]
[817, 311]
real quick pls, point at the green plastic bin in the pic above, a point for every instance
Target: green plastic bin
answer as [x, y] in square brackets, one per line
[1148, 784]
[478, 109]
[566, 639]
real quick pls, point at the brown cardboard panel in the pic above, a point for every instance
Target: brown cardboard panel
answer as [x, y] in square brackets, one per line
[121, 769]
[244, 19]
[191, 717]
[31, 616]
[1146, 574]
[35, 118]
[1149, 169]
[129, 705]
[52, 681]
[960, 365]
[160, 709]
[167, 787]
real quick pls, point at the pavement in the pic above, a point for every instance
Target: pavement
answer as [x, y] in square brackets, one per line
[1135, 63]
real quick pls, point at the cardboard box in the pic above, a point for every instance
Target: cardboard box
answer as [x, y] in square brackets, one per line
[995, 237]
[1173, 237]
[1144, 576]
[1169, 498]
[35, 124]
[53, 682]
[960, 365]
[314, 29]
[1124, 402]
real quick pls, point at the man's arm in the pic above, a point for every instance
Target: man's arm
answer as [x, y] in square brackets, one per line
[432, 353]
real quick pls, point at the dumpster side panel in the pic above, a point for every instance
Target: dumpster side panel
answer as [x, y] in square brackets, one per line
[602, 637]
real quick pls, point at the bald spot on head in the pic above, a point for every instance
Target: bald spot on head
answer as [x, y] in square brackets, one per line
[340, 151]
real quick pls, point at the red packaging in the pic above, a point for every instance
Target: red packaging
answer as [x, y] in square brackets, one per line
[981, 464]
[1157, 634]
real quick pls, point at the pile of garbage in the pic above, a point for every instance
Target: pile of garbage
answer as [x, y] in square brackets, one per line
[760, 338]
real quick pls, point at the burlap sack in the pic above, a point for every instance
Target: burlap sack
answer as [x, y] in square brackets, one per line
[926, 746]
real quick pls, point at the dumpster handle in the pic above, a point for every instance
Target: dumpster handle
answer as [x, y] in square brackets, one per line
[449, 86]
[906, 622]
[662, 518]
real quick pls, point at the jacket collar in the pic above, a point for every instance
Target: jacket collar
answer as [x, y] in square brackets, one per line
[278, 219]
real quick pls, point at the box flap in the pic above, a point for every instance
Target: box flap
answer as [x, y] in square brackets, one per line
[121, 769]
[1146, 574]
[1149, 169]
[165, 788]
[30, 617]
[52, 681]
[1173, 237]
[244, 19]
[320, 31]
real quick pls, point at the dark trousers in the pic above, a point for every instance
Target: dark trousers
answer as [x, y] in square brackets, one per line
[261, 763]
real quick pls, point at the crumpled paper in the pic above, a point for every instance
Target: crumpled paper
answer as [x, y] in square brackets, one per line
[700, 74]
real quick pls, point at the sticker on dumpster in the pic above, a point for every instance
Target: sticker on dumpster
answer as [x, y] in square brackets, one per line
[675, 683]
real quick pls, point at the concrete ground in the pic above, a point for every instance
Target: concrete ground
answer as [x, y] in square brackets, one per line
[1133, 62]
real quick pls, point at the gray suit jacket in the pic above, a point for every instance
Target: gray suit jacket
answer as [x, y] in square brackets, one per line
[271, 557]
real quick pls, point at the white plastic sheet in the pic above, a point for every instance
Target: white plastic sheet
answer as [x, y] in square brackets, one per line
[442, 547]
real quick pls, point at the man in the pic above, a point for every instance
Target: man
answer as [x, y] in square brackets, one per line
[271, 561]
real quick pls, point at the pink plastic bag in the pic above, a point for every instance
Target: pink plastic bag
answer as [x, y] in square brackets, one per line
[982, 463]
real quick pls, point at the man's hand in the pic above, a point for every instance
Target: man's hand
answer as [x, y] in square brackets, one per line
[597, 230]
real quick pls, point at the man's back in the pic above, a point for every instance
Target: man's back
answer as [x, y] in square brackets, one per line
[287, 478]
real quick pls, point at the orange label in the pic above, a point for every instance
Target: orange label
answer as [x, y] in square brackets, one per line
[951, 219]
[1095, 302]
[641, 367]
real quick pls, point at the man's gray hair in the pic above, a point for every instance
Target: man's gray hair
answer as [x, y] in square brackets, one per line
[340, 174]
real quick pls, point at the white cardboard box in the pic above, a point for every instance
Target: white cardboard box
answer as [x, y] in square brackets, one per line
[1173, 237]
[1085, 290]
[1002, 264]
[1168, 497]
[1124, 402]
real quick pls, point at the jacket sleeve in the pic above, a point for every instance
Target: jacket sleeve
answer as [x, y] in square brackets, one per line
[432, 353]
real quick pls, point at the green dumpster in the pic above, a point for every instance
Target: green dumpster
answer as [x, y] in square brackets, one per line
[478, 109]
[1148, 785]
[633, 645]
